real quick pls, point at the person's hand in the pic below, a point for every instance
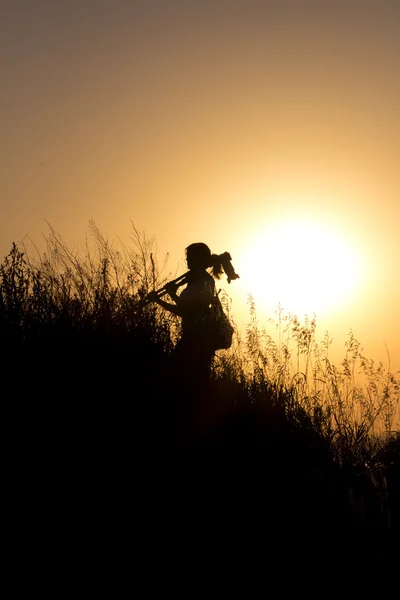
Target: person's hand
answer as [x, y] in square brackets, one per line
[171, 288]
[152, 297]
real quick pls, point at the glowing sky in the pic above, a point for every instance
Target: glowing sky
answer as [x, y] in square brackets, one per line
[217, 121]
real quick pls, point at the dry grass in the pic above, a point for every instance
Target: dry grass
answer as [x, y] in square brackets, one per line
[77, 323]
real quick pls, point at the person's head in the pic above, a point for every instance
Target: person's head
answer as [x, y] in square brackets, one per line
[199, 256]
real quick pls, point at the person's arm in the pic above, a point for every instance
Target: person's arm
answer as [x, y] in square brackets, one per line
[175, 309]
[171, 289]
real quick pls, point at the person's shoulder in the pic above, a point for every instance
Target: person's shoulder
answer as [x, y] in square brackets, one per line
[205, 280]
[209, 277]
[210, 281]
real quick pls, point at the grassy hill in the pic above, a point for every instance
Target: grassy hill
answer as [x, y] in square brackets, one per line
[262, 465]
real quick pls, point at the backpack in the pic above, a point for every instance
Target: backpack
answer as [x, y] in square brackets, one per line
[217, 330]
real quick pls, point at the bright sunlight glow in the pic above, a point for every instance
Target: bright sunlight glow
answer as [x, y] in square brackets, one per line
[303, 266]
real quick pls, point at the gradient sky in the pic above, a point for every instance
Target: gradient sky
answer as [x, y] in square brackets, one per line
[240, 124]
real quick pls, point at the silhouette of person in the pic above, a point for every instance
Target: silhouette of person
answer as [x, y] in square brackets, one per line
[193, 356]
[188, 379]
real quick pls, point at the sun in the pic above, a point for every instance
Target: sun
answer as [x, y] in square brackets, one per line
[303, 266]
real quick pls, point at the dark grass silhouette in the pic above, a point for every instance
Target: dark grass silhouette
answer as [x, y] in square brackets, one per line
[246, 473]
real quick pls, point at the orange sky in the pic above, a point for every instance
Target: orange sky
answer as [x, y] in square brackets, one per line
[220, 122]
